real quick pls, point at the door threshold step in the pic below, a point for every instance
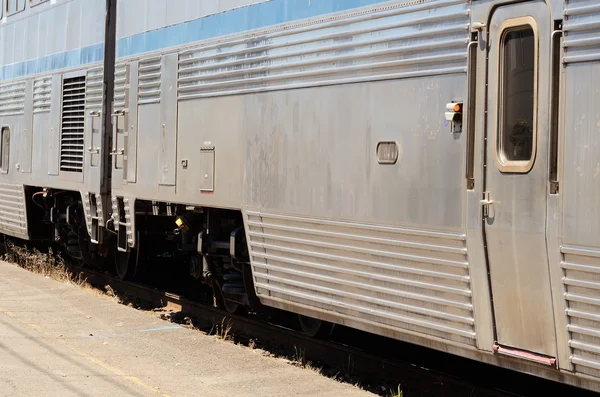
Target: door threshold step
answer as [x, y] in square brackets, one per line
[525, 355]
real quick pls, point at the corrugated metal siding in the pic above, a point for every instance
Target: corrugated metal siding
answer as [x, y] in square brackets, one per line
[42, 94]
[582, 31]
[394, 277]
[12, 99]
[13, 216]
[149, 80]
[385, 42]
[581, 266]
[582, 292]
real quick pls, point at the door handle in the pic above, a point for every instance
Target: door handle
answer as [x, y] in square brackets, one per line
[487, 203]
[117, 152]
[118, 113]
[555, 57]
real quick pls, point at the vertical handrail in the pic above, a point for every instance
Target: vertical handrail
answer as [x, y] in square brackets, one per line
[555, 59]
[471, 103]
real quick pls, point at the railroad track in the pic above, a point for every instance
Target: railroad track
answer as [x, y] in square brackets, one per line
[371, 369]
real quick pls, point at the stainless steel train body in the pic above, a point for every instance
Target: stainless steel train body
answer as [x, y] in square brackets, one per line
[424, 170]
[51, 101]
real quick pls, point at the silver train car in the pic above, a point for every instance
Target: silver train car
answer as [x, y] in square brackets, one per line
[426, 170]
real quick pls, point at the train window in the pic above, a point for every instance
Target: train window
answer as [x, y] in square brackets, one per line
[516, 141]
[33, 3]
[14, 6]
[4, 149]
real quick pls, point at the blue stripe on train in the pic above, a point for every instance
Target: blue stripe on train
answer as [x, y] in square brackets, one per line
[73, 58]
[235, 21]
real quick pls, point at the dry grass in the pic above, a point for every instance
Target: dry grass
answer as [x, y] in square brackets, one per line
[397, 393]
[50, 264]
[299, 359]
[223, 330]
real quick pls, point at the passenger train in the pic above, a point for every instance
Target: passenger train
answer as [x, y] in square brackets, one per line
[426, 170]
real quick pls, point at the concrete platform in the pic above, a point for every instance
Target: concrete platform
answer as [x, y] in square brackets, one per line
[61, 340]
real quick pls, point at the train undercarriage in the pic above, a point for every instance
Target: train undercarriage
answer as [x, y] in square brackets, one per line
[207, 245]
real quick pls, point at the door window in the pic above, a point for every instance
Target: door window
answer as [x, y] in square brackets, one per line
[516, 141]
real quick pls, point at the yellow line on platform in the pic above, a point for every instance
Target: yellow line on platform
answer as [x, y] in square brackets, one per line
[95, 360]
[120, 373]
[9, 314]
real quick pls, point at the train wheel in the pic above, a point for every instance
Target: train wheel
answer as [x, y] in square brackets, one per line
[74, 247]
[315, 328]
[3, 247]
[253, 299]
[223, 303]
[231, 307]
[126, 264]
[89, 255]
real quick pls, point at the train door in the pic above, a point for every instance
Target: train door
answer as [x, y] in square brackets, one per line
[516, 176]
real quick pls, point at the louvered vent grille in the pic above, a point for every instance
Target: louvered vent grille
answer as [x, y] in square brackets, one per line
[121, 86]
[12, 99]
[73, 122]
[149, 86]
[42, 94]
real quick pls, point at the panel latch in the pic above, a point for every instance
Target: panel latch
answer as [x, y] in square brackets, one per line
[487, 203]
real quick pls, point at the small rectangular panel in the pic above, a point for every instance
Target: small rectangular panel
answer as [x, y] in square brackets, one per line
[133, 125]
[168, 110]
[40, 142]
[27, 132]
[54, 139]
[148, 148]
[220, 124]
[387, 152]
[95, 125]
[119, 125]
[580, 148]
[206, 167]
